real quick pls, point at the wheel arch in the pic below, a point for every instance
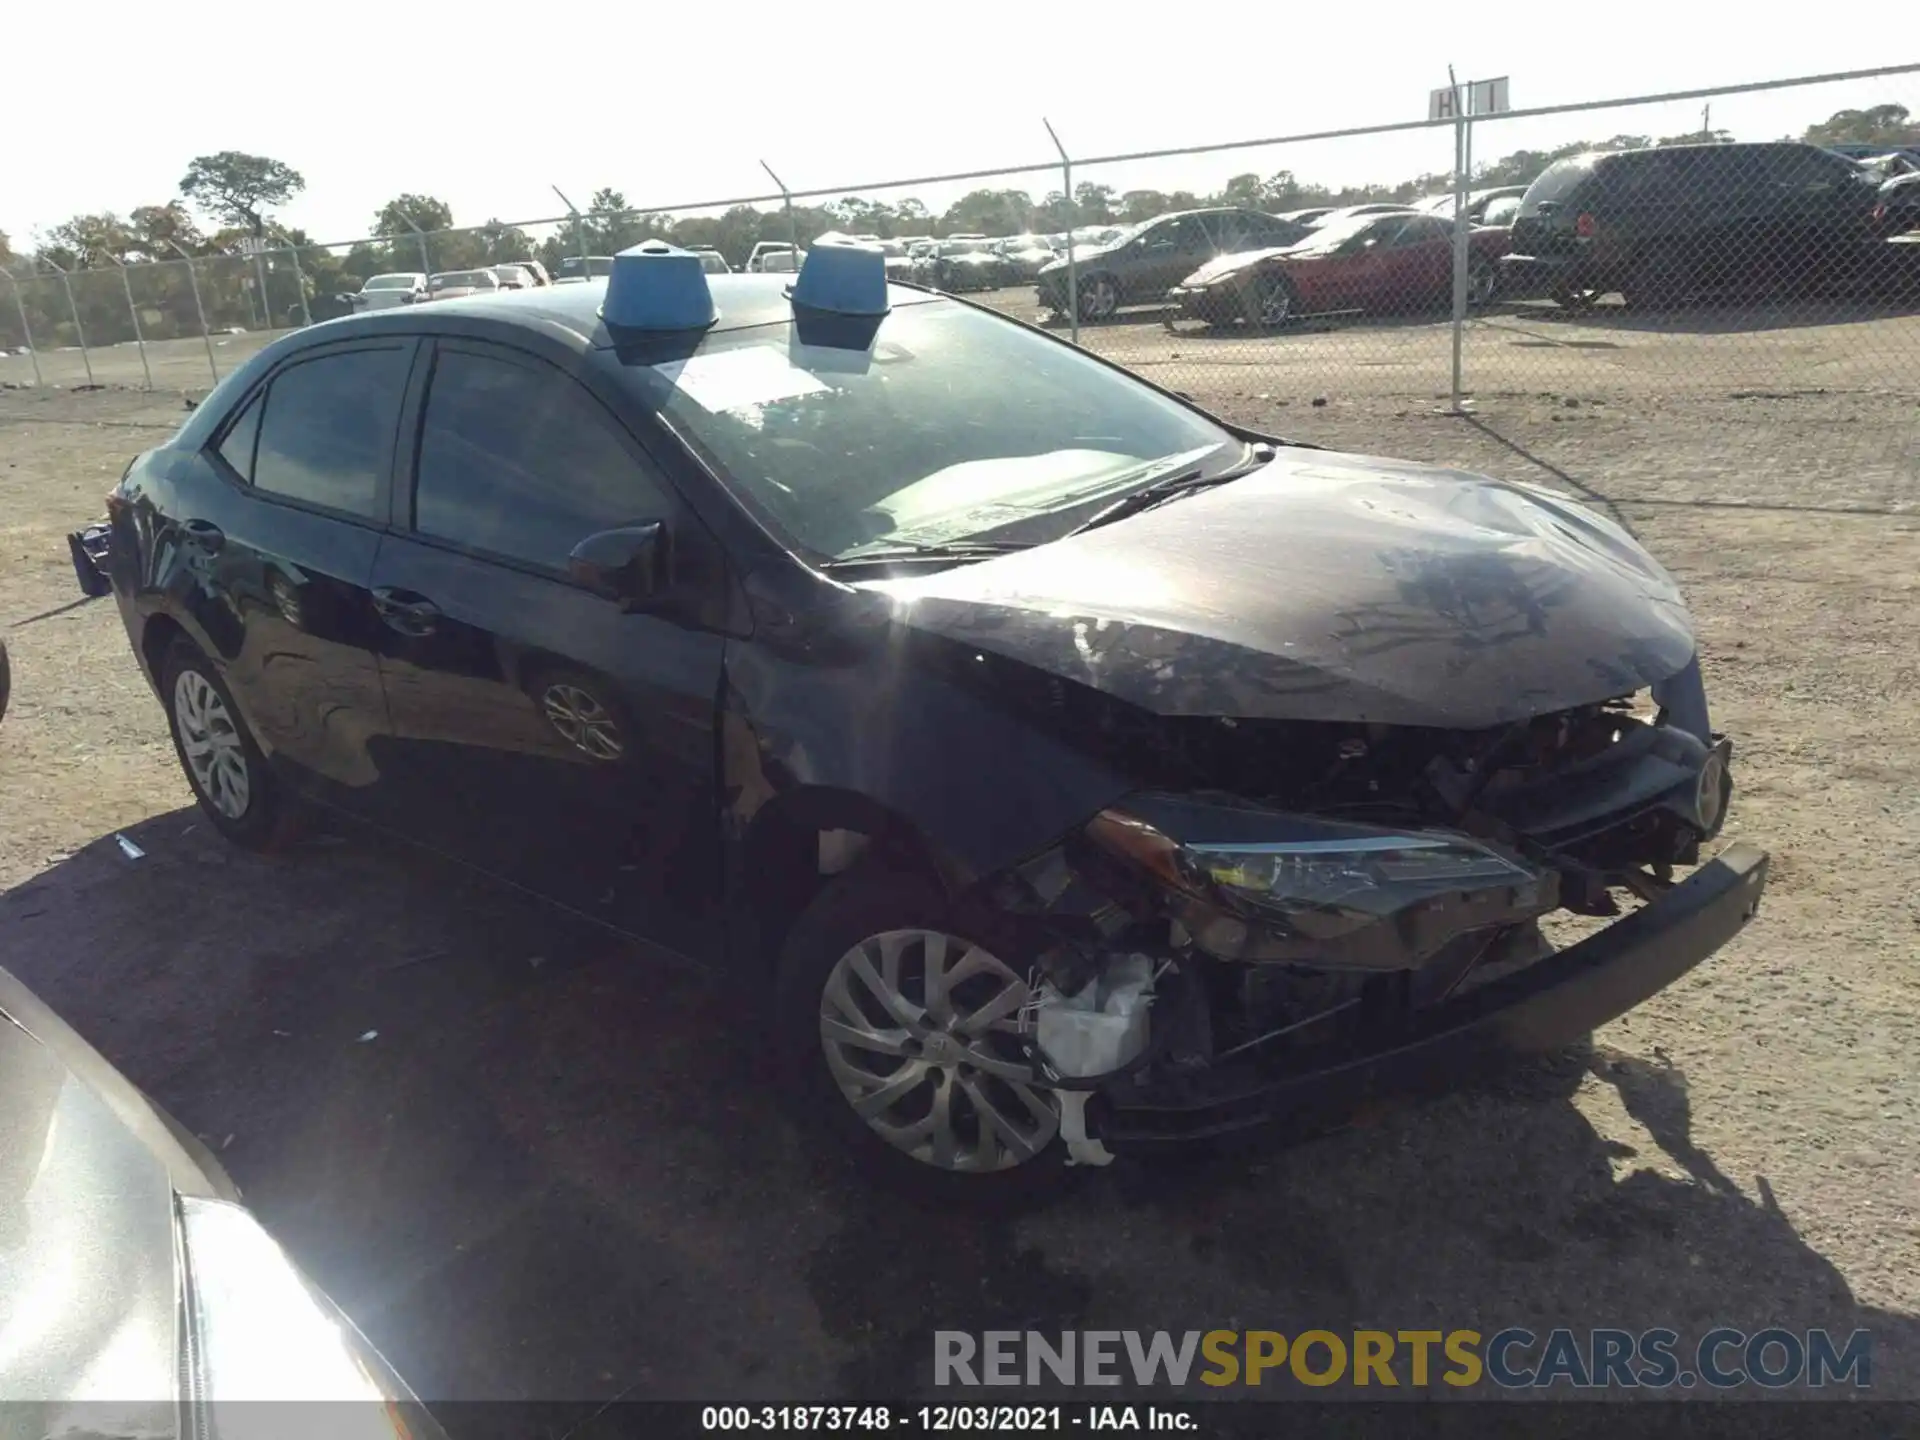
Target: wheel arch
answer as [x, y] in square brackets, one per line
[799, 842]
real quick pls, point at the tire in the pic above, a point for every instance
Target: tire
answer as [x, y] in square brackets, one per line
[1577, 298]
[1483, 284]
[1656, 282]
[224, 766]
[1272, 302]
[884, 917]
[1099, 298]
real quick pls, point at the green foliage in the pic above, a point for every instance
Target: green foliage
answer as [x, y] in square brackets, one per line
[1889, 125]
[238, 188]
[404, 214]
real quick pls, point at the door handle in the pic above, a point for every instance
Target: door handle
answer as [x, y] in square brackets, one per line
[205, 534]
[406, 612]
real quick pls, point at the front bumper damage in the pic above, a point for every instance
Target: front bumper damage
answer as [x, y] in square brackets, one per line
[1297, 1021]
[1540, 1008]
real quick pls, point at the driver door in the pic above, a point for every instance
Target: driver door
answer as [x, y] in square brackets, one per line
[1169, 253]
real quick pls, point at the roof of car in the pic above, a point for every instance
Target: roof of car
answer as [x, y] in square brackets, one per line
[743, 300]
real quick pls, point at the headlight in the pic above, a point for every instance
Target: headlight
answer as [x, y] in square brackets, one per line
[1254, 884]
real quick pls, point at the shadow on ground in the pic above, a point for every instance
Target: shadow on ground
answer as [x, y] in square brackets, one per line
[532, 1166]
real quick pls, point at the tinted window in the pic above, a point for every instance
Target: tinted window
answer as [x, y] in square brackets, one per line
[1421, 229]
[1558, 181]
[518, 460]
[1186, 233]
[327, 434]
[1501, 211]
[237, 448]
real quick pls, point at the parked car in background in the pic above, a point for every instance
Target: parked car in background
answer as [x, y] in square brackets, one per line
[1662, 225]
[963, 266]
[1308, 216]
[1896, 209]
[782, 262]
[711, 260]
[141, 1292]
[381, 292]
[757, 257]
[1477, 202]
[452, 284]
[1024, 257]
[1142, 263]
[514, 277]
[1370, 263]
[1342, 214]
[575, 269]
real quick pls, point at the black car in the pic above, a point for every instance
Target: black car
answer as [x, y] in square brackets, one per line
[1058, 766]
[142, 1297]
[1663, 224]
[1145, 261]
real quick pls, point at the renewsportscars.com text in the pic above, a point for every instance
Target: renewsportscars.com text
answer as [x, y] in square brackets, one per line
[1513, 1358]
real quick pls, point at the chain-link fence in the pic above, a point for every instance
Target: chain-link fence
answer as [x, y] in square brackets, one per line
[1661, 281]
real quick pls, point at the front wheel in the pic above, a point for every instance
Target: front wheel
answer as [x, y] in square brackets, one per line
[1483, 283]
[1272, 302]
[904, 1035]
[1099, 297]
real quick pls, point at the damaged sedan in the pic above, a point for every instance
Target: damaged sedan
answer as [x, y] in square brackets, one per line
[1062, 769]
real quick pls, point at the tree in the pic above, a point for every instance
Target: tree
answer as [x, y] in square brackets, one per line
[1889, 125]
[404, 214]
[1093, 203]
[1248, 191]
[503, 242]
[988, 212]
[237, 188]
[1138, 205]
[154, 226]
[86, 240]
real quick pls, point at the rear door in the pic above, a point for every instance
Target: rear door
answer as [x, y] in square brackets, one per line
[542, 732]
[282, 558]
[1169, 252]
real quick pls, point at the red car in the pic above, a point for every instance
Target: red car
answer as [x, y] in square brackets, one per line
[1365, 263]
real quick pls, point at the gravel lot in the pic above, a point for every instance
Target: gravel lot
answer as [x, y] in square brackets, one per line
[555, 1173]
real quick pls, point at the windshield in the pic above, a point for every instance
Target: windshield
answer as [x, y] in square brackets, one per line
[1557, 181]
[392, 282]
[464, 279]
[574, 267]
[954, 424]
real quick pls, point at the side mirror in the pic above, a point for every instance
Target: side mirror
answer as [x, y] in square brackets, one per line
[628, 565]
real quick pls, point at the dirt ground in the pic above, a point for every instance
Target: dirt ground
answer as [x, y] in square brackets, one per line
[553, 1171]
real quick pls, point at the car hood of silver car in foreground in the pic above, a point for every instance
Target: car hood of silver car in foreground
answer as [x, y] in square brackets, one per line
[138, 1296]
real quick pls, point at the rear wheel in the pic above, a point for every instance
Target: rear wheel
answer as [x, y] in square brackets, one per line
[1483, 282]
[1574, 297]
[222, 762]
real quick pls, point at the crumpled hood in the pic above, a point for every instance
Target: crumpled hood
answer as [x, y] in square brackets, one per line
[1331, 587]
[1222, 266]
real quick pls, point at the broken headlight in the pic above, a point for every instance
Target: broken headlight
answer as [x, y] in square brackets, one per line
[1255, 884]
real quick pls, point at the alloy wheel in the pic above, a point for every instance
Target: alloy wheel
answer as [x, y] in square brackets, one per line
[1098, 298]
[583, 722]
[216, 757]
[1481, 283]
[921, 1031]
[1274, 305]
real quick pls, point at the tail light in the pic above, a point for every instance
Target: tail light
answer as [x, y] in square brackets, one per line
[1585, 226]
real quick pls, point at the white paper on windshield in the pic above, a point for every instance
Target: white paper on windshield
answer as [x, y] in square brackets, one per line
[739, 379]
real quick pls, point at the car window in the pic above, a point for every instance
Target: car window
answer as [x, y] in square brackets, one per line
[1419, 230]
[1556, 184]
[326, 435]
[1185, 233]
[1805, 168]
[1501, 211]
[519, 460]
[237, 448]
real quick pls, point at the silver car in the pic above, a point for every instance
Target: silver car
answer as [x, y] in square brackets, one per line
[383, 292]
[452, 284]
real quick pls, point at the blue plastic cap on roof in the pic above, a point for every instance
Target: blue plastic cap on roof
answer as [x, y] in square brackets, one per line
[657, 286]
[842, 277]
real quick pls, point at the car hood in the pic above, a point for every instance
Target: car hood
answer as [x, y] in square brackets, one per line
[1221, 267]
[1330, 587]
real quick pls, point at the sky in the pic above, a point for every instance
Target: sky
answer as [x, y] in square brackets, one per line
[490, 108]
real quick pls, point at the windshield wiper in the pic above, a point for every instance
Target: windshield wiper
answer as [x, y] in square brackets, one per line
[951, 550]
[1181, 482]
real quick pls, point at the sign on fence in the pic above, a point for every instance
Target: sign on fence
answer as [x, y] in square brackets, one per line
[1481, 97]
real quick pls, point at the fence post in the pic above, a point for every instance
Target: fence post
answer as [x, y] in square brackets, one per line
[193, 283]
[1461, 234]
[73, 310]
[299, 278]
[793, 228]
[420, 238]
[26, 330]
[579, 233]
[133, 314]
[1073, 265]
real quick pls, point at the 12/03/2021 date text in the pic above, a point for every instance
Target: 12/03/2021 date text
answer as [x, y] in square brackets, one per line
[944, 1419]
